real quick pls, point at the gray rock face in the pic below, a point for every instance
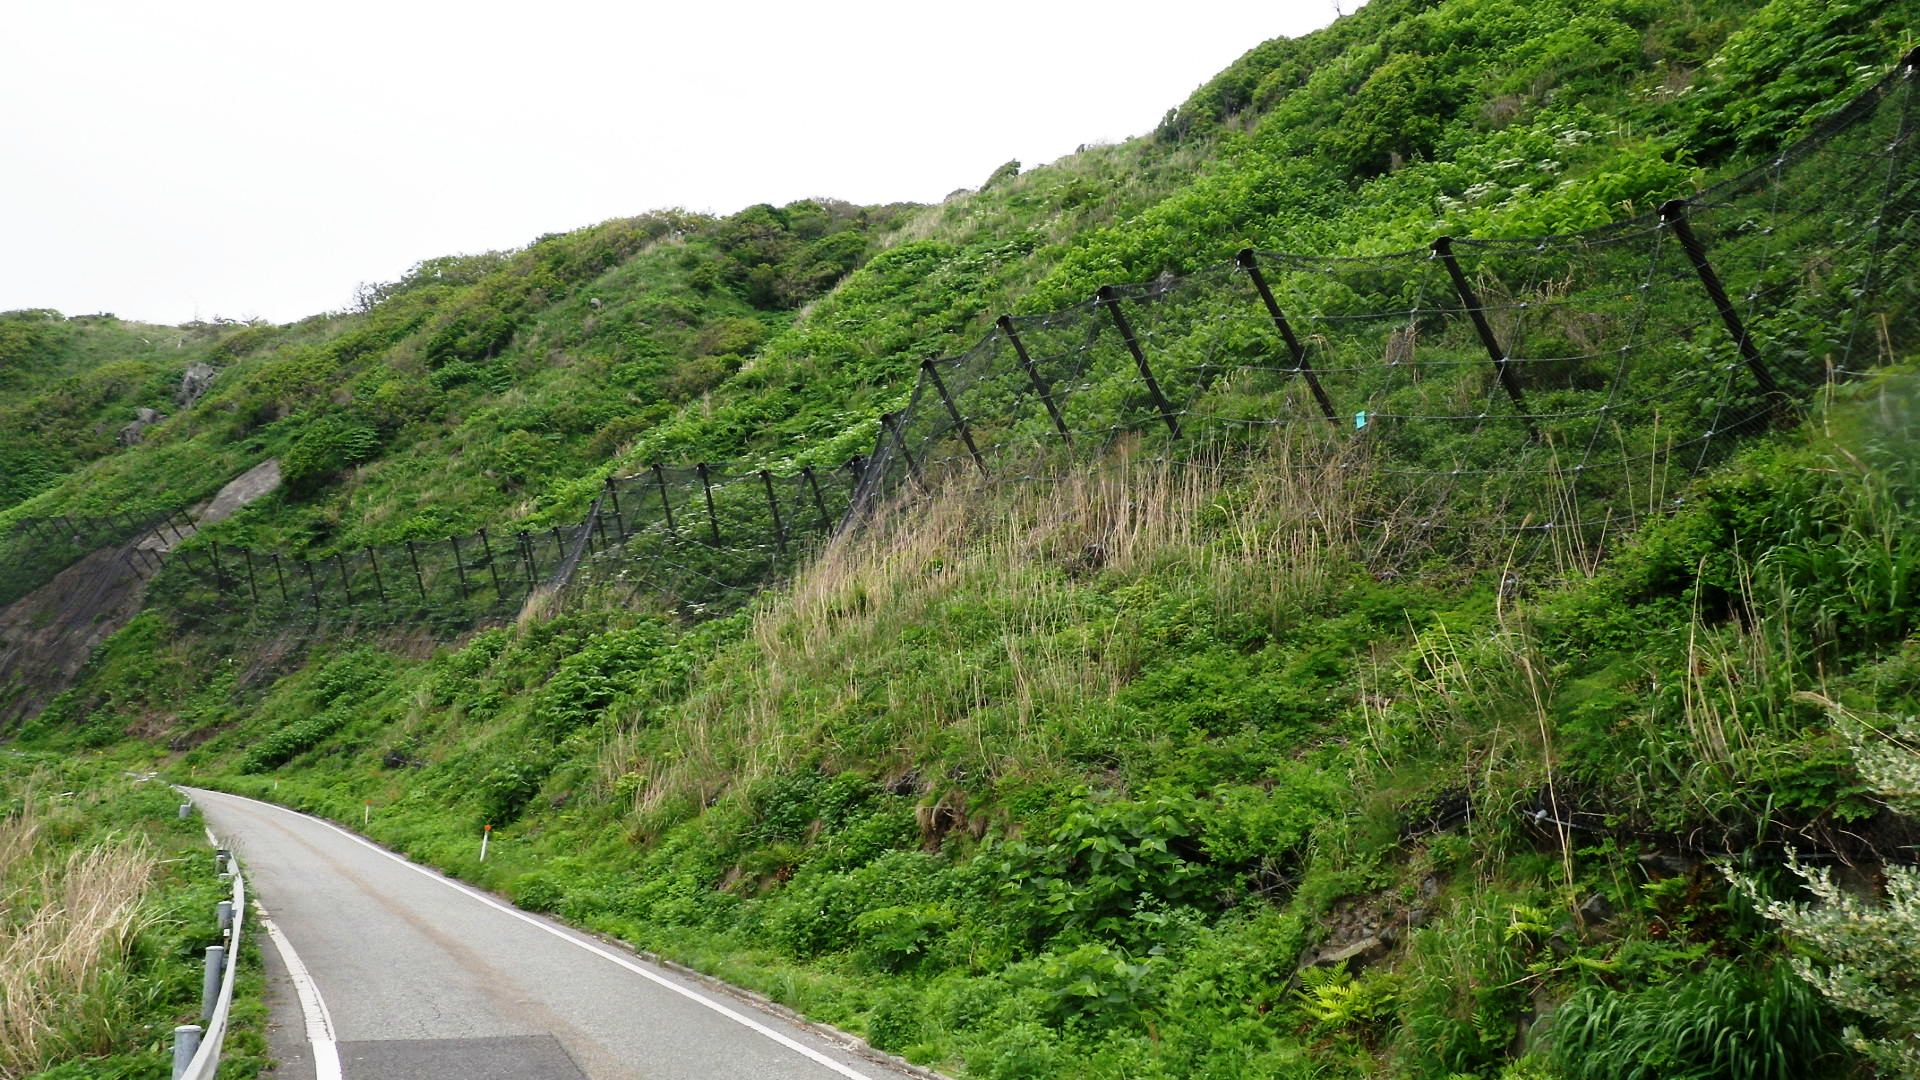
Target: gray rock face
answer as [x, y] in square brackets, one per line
[193, 384]
[143, 418]
[1596, 910]
[1356, 955]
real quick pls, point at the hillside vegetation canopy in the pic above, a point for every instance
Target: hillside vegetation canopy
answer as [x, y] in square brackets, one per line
[1409, 720]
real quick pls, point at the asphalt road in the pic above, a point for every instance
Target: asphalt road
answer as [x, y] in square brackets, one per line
[421, 978]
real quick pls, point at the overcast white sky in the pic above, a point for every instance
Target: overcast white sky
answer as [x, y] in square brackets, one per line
[170, 161]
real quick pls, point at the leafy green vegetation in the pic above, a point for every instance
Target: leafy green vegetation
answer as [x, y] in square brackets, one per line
[1158, 767]
[106, 903]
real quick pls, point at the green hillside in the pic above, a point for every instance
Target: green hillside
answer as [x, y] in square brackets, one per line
[1206, 738]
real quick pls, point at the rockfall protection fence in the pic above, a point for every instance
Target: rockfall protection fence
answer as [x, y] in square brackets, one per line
[37, 548]
[1482, 396]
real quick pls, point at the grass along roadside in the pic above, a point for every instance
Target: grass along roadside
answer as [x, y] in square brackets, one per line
[1070, 779]
[106, 908]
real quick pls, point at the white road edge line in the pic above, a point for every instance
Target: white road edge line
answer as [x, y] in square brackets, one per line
[326, 1053]
[740, 1018]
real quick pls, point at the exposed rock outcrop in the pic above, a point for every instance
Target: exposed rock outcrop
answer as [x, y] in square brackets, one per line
[143, 418]
[193, 384]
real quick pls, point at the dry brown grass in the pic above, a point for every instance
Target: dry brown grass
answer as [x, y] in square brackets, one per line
[998, 575]
[62, 922]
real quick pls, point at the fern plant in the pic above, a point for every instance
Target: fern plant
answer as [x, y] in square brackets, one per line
[1336, 1001]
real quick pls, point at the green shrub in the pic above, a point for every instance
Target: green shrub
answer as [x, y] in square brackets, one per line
[1093, 983]
[537, 891]
[1865, 955]
[506, 789]
[896, 938]
[1100, 862]
[896, 1020]
[1397, 114]
[607, 668]
[324, 450]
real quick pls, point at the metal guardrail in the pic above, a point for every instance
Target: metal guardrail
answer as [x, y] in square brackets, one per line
[196, 1050]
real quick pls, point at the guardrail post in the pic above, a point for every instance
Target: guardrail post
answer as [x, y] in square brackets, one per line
[1110, 300]
[223, 915]
[186, 810]
[773, 504]
[1509, 379]
[932, 370]
[186, 1043]
[706, 484]
[219, 572]
[1673, 214]
[340, 564]
[1251, 264]
[210, 980]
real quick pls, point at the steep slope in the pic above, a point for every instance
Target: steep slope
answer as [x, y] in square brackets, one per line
[1190, 758]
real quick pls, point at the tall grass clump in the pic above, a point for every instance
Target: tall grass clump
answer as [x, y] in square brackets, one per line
[65, 922]
[1002, 625]
[106, 905]
[1727, 1023]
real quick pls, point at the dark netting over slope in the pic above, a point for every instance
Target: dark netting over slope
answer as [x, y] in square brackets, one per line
[1500, 392]
[1483, 397]
[35, 549]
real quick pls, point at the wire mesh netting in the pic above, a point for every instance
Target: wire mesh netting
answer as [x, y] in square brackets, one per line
[1482, 398]
[37, 548]
[1507, 394]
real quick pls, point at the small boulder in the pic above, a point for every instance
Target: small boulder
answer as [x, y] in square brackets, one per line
[143, 418]
[1666, 865]
[193, 384]
[1595, 910]
[1355, 955]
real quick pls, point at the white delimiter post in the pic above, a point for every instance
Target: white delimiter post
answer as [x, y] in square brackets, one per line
[485, 835]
